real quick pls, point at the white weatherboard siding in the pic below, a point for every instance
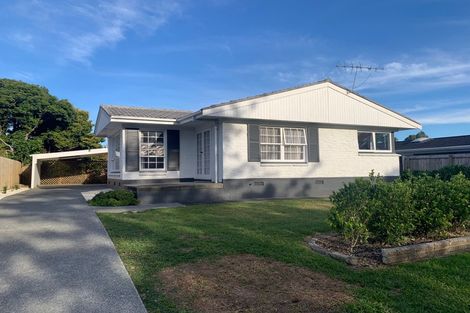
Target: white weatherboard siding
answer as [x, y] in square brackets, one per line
[339, 157]
[324, 103]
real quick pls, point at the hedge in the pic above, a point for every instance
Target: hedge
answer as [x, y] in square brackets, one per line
[445, 173]
[373, 210]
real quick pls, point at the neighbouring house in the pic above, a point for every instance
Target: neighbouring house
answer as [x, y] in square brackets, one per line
[299, 142]
[428, 154]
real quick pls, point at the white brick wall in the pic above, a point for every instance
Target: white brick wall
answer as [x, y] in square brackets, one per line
[339, 157]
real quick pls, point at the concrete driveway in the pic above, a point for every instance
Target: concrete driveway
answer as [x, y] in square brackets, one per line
[55, 256]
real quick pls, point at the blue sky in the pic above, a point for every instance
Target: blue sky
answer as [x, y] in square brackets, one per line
[187, 54]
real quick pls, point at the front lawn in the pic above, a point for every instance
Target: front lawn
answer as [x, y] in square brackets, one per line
[152, 241]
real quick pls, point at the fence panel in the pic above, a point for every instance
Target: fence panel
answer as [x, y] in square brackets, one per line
[434, 162]
[74, 171]
[9, 173]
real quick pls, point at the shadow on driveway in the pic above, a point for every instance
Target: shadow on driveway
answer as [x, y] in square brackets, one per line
[55, 256]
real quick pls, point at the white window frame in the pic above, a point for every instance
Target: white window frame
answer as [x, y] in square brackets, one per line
[113, 142]
[374, 148]
[165, 156]
[282, 144]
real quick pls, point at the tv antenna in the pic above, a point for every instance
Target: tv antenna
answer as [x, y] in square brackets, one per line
[360, 68]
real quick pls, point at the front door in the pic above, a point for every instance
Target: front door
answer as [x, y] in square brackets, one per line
[203, 158]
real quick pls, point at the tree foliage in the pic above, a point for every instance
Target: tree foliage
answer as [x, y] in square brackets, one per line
[34, 121]
[420, 134]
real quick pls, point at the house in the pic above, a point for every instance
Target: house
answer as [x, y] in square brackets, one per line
[299, 142]
[428, 154]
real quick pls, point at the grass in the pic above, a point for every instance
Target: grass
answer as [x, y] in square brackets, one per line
[151, 241]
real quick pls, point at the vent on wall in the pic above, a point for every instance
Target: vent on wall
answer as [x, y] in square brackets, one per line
[319, 182]
[257, 183]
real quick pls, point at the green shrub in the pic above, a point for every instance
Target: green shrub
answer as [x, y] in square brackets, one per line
[459, 200]
[392, 214]
[350, 213]
[447, 172]
[119, 197]
[433, 215]
[419, 206]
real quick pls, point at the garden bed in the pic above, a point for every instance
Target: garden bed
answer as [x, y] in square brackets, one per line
[374, 254]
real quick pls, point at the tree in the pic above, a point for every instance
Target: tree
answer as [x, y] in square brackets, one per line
[34, 121]
[421, 134]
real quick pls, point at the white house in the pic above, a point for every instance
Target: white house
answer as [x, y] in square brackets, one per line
[298, 142]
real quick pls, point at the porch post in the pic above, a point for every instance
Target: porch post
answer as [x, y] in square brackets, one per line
[122, 153]
[216, 156]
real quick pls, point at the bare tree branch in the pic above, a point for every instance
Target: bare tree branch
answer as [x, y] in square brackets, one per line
[6, 144]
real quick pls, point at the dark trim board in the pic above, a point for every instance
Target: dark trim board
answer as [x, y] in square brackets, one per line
[114, 182]
[242, 189]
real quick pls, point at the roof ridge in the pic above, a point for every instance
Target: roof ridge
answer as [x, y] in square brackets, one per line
[434, 138]
[142, 108]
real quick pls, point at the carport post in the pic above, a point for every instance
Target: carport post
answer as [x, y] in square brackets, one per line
[35, 172]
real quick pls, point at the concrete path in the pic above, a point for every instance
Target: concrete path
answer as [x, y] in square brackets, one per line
[55, 256]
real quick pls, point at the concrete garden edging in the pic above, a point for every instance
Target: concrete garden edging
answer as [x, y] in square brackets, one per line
[425, 251]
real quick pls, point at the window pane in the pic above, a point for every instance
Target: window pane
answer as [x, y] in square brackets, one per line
[365, 141]
[294, 152]
[382, 141]
[270, 135]
[294, 136]
[152, 149]
[270, 152]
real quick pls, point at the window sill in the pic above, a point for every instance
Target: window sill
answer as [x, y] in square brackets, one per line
[275, 164]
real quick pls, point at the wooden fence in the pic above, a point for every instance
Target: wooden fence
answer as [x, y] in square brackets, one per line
[9, 173]
[433, 162]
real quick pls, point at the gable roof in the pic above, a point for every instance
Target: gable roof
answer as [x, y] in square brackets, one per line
[321, 102]
[430, 143]
[125, 111]
[300, 87]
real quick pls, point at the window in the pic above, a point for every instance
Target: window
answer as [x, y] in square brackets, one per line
[115, 149]
[152, 150]
[374, 142]
[279, 144]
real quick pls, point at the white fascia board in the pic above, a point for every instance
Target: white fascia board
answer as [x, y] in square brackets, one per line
[65, 154]
[142, 120]
[102, 120]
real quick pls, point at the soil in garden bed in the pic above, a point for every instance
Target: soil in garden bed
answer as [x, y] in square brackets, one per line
[369, 254]
[246, 283]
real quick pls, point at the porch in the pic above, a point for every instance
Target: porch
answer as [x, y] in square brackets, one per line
[181, 192]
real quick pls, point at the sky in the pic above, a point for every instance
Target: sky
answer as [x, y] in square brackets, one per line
[185, 54]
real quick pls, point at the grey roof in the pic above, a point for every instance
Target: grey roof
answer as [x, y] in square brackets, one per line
[114, 110]
[434, 143]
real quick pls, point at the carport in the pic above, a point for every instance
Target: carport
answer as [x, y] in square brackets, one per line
[37, 159]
